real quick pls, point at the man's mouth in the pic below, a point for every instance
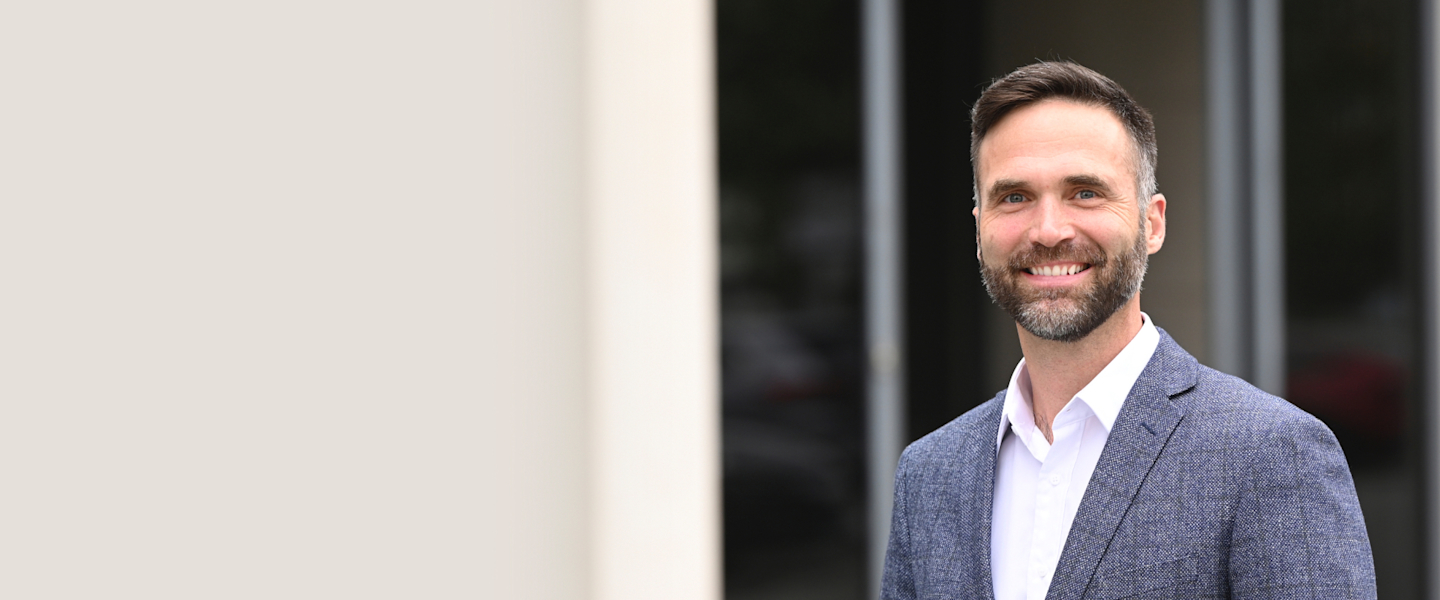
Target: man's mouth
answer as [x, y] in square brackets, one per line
[1058, 270]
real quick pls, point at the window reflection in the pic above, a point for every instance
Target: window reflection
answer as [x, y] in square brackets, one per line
[1351, 256]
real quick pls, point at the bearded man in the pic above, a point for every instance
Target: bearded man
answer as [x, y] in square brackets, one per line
[1114, 465]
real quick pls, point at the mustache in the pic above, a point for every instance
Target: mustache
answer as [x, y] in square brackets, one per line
[1067, 251]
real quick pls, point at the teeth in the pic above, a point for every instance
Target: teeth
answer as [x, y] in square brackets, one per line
[1057, 270]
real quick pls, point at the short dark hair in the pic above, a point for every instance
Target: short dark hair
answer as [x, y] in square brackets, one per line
[1062, 79]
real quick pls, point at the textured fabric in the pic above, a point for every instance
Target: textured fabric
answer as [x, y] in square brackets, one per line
[1038, 487]
[1206, 488]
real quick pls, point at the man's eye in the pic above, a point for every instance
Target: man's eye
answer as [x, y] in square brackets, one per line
[1086, 195]
[1014, 198]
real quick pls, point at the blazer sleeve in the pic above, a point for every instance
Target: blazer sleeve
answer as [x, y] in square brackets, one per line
[1298, 530]
[898, 581]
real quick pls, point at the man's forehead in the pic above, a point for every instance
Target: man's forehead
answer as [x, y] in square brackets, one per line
[1058, 126]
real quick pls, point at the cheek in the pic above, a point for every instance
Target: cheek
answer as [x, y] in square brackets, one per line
[1112, 230]
[990, 250]
[997, 237]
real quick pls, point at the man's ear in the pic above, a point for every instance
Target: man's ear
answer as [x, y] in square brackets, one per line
[1155, 220]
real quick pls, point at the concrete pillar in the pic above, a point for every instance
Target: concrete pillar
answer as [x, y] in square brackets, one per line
[365, 300]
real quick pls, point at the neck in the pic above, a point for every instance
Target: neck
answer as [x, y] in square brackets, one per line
[1059, 370]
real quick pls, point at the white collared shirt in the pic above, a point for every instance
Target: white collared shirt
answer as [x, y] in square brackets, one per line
[1038, 486]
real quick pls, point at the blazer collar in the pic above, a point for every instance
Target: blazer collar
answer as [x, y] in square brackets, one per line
[1141, 430]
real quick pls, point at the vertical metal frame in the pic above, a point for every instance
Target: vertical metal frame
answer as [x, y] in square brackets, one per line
[1267, 195]
[1246, 188]
[1227, 155]
[883, 267]
[1430, 291]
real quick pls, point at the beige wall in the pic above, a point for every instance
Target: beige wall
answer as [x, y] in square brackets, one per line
[1154, 50]
[389, 299]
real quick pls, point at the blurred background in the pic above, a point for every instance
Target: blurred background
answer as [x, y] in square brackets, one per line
[635, 299]
[1290, 137]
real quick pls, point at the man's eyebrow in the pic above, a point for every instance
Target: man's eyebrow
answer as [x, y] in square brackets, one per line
[1086, 180]
[1004, 185]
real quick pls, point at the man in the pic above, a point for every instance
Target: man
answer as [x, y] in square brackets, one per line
[1114, 465]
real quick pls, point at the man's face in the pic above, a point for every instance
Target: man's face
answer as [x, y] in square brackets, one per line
[1062, 241]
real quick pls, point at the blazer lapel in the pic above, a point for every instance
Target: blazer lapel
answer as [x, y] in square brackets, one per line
[1140, 432]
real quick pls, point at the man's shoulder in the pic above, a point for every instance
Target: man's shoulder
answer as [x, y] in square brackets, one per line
[961, 437]
[1200, 391]
[1223, 401]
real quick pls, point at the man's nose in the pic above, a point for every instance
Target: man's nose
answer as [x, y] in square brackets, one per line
[1052, 224]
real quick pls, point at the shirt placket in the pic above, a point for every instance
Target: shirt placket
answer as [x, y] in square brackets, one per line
[1051, 488]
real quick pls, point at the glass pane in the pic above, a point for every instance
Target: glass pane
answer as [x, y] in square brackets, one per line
[790, 299]
[1352, 276]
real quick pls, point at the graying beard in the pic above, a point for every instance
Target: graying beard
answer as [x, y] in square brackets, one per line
[1086, 313]
[1073, 323]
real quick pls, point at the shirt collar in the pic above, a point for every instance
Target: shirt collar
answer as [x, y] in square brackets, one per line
[1104, 395]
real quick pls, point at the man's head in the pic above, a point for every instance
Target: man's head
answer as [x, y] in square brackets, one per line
[1065, 219]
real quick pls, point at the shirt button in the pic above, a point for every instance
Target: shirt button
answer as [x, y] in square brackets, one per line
[1054, 480]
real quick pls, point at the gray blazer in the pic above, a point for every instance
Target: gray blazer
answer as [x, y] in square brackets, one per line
[1206, 488]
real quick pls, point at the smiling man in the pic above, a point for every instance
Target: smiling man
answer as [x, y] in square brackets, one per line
[1114, 465]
